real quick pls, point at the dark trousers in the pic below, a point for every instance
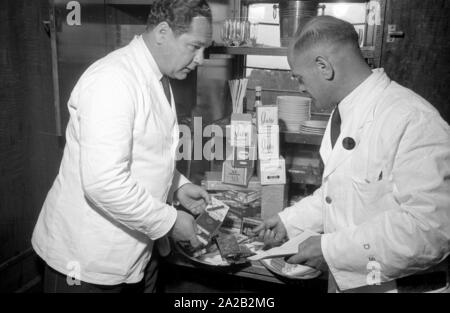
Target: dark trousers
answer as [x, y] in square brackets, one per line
[151, 273]
[56, 282]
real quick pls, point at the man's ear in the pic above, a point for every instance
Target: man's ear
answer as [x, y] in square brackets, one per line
[162, 31]
[324, 67]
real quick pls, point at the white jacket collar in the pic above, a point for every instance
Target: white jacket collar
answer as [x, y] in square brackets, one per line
[150, 68]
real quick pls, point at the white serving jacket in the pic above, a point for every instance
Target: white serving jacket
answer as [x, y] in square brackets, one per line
[389, 197]
[108, 202]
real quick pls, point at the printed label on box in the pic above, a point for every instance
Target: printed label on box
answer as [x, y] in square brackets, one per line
[235, 175]
[269, 142]
[267, 115]
[273, 171]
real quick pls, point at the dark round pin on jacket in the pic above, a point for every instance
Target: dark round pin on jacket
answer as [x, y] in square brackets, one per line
[348, 143]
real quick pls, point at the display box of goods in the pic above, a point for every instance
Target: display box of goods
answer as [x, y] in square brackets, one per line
[266, 115]
[236, 175]
[269, 142]
[272, 172]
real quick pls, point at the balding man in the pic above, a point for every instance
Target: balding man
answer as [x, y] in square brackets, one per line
[384, 203]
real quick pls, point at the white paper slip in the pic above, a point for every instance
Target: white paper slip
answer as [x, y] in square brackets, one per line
[290, 247]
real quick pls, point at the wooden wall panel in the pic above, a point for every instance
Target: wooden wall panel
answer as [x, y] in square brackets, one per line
[29, 153]
[421, 60]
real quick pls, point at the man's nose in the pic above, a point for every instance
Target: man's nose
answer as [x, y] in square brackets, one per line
[199, 58]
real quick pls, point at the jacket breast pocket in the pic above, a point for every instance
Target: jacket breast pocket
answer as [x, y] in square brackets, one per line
[369, 194]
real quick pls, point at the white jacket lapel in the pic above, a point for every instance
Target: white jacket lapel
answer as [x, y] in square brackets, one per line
[364, 105]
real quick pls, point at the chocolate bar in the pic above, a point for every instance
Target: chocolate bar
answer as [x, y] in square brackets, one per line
[231, 250]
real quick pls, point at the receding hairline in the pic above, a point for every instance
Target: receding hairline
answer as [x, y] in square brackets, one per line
[324, 30]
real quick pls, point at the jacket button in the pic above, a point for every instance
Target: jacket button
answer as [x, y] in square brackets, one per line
[328, 199]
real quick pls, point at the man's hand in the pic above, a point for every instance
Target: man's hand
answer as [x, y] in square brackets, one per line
[184, 231]
[194, 198]
[310, 254]
[271, 231]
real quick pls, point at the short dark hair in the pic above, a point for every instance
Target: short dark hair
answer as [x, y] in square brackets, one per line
[323, 29]
[177, 13]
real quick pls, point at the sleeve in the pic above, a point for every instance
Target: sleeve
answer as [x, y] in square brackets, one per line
[305, 214]
[106, 120]
[413, 234]
[177, 181]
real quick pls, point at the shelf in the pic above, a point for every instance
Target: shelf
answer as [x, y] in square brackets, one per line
[368, 52]
[266, 50]
[299, 138]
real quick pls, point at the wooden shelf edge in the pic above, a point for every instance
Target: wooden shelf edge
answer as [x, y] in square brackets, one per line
[272, 51]
[368, 52]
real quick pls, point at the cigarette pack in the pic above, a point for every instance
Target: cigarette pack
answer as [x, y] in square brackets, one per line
[248, 224]
[266, 115]
[231, 250]
[269, 142]
[210, 220]
[244, 157]
[244, 196]
[241, 130]
[236, 175]
[228, 246]
[272, 172]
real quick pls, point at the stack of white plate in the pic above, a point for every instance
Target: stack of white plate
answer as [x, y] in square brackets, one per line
[313, 127]
[292, 111]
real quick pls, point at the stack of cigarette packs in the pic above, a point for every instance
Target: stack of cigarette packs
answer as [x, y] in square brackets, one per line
[238, 168]
[272, 167]
[243, 196]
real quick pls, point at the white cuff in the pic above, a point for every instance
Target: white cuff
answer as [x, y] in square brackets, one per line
[165, 226]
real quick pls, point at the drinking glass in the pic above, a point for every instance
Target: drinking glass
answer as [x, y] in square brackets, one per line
[225, 32]
[237, 32]
[251, 33]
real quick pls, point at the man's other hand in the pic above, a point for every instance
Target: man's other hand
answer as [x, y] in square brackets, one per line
[192, 197]
[272, 232]
[310, 254]
[184, 231]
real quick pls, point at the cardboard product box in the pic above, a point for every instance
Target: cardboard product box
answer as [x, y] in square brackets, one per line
[213, 182]
[244, 157]
[236, 175]
[266, 115]
[273, 199]
[269, 142]
[241, 130]
[272, 172]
